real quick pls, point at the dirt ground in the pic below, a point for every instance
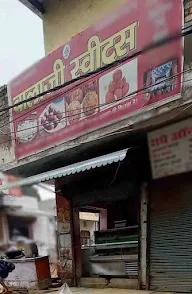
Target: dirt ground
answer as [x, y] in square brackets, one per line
[102, 291]
[81, 290]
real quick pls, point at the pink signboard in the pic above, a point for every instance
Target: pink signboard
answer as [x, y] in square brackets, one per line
[106, 97]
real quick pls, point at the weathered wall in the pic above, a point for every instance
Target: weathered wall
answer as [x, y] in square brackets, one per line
[6, 147]
[66, 18]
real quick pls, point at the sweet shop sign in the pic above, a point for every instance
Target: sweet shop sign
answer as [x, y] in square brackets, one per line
[108, 96]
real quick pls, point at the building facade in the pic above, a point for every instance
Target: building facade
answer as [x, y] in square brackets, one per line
[24, 215]
[92, 135]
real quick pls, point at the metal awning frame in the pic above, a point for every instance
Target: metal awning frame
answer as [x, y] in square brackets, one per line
[69, 170]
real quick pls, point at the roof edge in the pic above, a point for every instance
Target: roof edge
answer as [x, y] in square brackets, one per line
[35, 6]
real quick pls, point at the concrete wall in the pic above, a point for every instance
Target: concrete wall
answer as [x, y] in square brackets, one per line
[25, 203]
[44, 233]
[44, 230]
[66, 18]
[6, 146]
[48, 205]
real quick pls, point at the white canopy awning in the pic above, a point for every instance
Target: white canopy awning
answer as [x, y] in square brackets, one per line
[69, 170]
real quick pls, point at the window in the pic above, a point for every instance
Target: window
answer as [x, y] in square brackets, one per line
[22, 225]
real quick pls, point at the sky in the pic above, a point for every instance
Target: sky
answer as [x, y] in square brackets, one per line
[21, 39]
[21, 45]
[45, 190]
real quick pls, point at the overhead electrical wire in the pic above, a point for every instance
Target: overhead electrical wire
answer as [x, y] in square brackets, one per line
[131, 94]
[121, 99]
[113, 102]
[76, 86]
[42, 104]
[108, 104]
[145, 49]
[124, 131]
[187, 31]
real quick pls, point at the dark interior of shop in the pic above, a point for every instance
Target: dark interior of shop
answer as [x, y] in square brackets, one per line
[115, 189]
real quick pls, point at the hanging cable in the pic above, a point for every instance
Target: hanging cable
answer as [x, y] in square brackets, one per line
[184, 32]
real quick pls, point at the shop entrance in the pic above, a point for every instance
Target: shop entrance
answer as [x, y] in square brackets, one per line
[109, 247]
[112, 250]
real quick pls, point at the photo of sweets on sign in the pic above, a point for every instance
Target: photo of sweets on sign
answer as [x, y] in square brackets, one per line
[171, 149]
[105, 97]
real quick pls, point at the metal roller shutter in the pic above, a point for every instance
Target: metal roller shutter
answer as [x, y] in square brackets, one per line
[171, 237]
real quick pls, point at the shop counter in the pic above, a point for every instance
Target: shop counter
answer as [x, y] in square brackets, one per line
[30, 274]
[116, 265]
[115, 253]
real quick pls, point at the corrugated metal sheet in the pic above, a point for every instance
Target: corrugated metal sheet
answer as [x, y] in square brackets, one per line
[131, 268]
[70, 169]
[171, 238]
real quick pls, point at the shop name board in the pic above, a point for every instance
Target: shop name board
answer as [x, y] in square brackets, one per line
[171, 149]
[106, 97]
[95, 57]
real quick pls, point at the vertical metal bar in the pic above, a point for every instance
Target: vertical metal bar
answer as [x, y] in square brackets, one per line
[148, 236]
[139, 244]
[143, 236]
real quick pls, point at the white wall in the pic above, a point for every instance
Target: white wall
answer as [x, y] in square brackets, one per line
[44, 234]
[48, 205]
[49, 227]
[25, 203]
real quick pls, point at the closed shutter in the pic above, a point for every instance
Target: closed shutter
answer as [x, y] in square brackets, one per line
[171, 236]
